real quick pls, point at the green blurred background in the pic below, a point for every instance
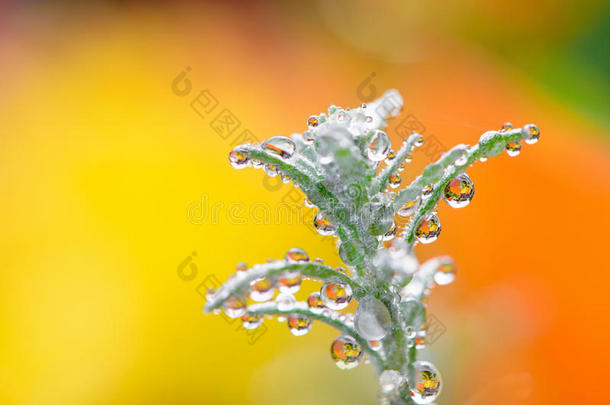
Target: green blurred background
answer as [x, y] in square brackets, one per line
[102, 163]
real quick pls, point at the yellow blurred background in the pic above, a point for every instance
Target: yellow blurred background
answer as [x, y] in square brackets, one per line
[102, 161]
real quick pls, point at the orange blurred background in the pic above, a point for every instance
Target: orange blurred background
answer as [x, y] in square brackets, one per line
[102, 162]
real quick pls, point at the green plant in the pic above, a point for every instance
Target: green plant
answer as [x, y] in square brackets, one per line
[336, 163]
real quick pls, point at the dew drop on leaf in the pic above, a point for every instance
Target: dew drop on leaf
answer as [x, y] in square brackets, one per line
[346, 352]
[531, 134]
[445, 271]
[428, 229]
[323, 225]
[238, 158]
[336, 295]
[285, 302]
[279, 146]
[372, 319]
[409, 208]
[289, 282]
[513, 148]
[394, 181]
[314, 302]
[234, 307]
[299, 324]
[251, 321]
[296, 255]
[378, 147]
[427, 383]
[459, 191]
[261, 290]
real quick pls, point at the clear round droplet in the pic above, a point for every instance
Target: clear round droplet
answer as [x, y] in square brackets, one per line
[507, 126]
[391, 156]
[241, 267]
[513, 148]
[289, 282]
[285, 302]
[419, 141]
[427, 383]
[299, 324]
[428, 230]
[250, 320]
[409, 208]
[336, 295]
[372, 319]
[280, 146]
[261, 290]
[375, 345]
[308, 203]
[314, 302]
[346, 352]
[234, 307]
[238, 158]
[323, 225]
[445, 271]
[379, 146]
[394, 181]
[313, 121]
[296, 255]
[531, 134]
[459, 191]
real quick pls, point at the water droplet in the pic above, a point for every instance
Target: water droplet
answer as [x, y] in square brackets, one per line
[270, 170]
[459, 191]
[391, 156]
[372, 319]
[234, 307]
[308, 203]
[289, 282]
[346, 352]
[507, 126]
[241, 267]
[483, 159]
[428, 230]
[238, 158]
[261, 290]
[313, 121]
[378, 147]
[250, 320]
[513, 148]
[308, 137]
[409, 208]
[427, 383]
[420, 339]
[319, 260]
[390, 384]
[209, 294]
[394, 181]
[280, 146]
[419, 141]
[296, 255]
[314, 302]
[285, 302]
[285, 178]
[391, 234]
[336, 295]
[445, 271]
[323, 224]
[299, 324]
[375, 344]
[427, 191]
[531, 134]
[401, 167]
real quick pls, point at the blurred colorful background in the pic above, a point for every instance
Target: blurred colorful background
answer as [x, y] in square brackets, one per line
[115, 181]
